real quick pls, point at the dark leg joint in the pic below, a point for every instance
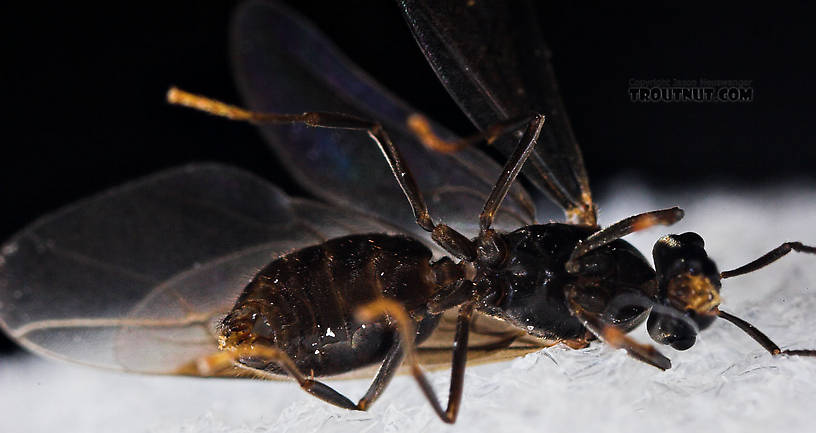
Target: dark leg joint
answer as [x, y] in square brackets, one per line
[491, 249]
[327, 394]
[424, 220]
[799, 247]
[797, 352]
[454, 242]
[337, 121]
[451, 296]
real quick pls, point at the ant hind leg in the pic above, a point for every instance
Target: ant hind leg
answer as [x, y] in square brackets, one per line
[407, 332]
[221, 361]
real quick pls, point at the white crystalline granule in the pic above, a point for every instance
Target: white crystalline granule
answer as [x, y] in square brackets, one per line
[725, 383]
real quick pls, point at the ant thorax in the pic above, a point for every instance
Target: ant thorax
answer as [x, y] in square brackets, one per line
[532, 284]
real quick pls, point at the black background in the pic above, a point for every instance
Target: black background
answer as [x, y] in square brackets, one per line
[84, 83]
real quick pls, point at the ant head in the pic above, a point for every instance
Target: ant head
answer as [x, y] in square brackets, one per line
[688, 290]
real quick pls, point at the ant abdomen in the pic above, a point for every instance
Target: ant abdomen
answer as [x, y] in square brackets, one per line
[304, 303]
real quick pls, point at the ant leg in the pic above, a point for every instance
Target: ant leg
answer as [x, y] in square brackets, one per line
[404, 323]
[217, 364]
[320, 120]
[583, 213]
[511, 170]
[761, 338]
[620, 229]
[390, 365]
[448, 238]
[772, 256]
[421, 127]
[614, 336]
[213, 364]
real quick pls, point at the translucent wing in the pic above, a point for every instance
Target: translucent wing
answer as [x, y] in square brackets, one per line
[135, 278]
[284, 65]
[493, 61]
[484, 345]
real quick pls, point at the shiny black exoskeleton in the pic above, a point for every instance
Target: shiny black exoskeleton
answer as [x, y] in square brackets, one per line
[532, 283]
[304, 302]
[688, 282]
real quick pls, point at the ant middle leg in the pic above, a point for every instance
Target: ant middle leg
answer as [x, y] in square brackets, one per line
[620, 229]
[405, 327]
[448, 238]
[511, 170]
[422, 130]
[421, 127]
[320, 120]
[581, 212]
[491, 249]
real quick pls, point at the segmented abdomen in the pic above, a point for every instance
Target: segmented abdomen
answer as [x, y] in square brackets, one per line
[304, 302]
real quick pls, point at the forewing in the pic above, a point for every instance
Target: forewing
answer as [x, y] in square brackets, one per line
[493, 61]
[283, 65]
[137, 277]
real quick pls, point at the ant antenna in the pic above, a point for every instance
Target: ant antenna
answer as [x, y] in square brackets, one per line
[761, 338]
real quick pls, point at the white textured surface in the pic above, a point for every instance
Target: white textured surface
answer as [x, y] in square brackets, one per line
[725, 383]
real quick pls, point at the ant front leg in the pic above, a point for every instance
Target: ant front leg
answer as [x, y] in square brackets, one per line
[620, 229]
[613, 335]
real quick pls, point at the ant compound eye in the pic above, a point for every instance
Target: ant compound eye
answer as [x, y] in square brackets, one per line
[684, 342]
[673, 331]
